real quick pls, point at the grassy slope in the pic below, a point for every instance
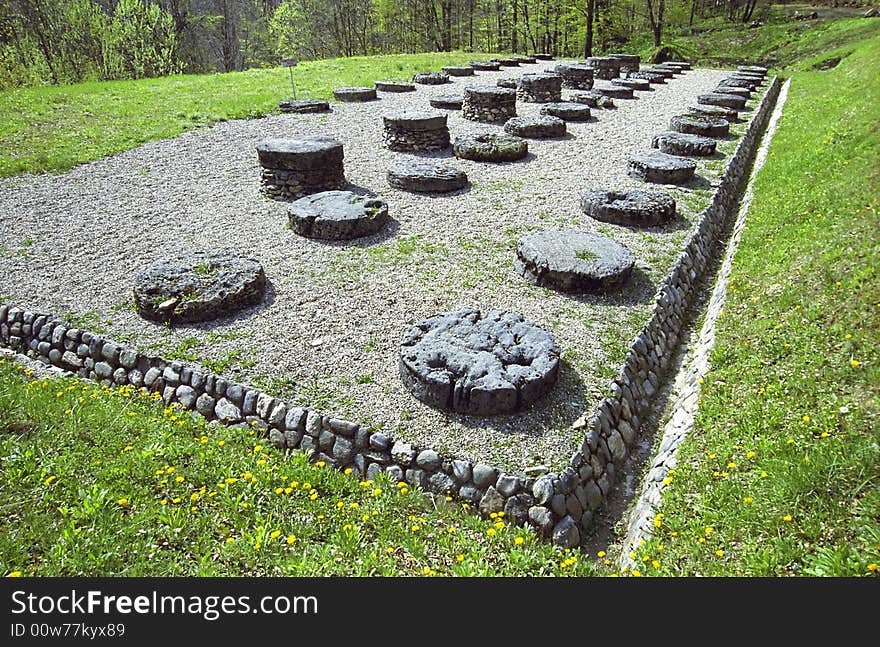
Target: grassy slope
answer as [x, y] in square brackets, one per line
[101, 482]
[782, 473]
[57, 127]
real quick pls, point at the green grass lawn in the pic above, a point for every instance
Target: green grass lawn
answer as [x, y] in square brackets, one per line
[101, 482]
[54, 128]
[781, 475]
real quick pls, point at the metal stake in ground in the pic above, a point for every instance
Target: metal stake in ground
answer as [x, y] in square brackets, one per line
[290, 63]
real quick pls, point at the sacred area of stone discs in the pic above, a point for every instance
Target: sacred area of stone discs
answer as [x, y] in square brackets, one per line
[633, 84]
[488, 104]
[447, 101]
[634, 208]
[394, 86]
[430, 78]
[426, 177]
[297, 166]
[654, 78]
[575, 76]
[197, 287]
[676, 143]
[627, 62]
[477, 364]
[726, 100]
[415, 130]
[535, 126]
[507, 82]
[705, 126]
[573, 261]
[485, 66]
[614, 91]
[458, 70]
[354, 94]
[567, 111]
[337, 215]
[490, 147]
[700, 110]
[539, 88]
[304, 106]
[604, 67]
[661, 168]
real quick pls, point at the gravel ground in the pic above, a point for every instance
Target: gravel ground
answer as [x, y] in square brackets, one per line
[328, 334]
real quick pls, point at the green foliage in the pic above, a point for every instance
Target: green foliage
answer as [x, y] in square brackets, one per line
[140, 42]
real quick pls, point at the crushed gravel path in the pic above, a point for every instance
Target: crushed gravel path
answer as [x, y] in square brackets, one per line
[329, 332]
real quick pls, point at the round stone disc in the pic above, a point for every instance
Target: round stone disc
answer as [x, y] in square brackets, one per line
[303, 106]
[633, 208]
[701, 110]
[726, 100]
[509, 83]
[705, 126]
[567, 111]
[197, 287]
[337, 215]
[301, 153]
[414, 120]
[458, 70]
[676, 143]
[490, 147]
[480, 365]
[661, 168]
[394, 86]
[573, 261]
[426, 177]
[614, 91]
[447, 101]
[354, 94]
[430, 78]
[535, 127]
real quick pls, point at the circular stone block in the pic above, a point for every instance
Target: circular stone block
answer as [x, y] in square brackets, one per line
[490, 147]
[753, 80]
[337, 215]
[627, 62]
[458, 70]
[507, 82]
[745, 93]
[725, 100]
[752, 69]
[535, 127]
[676, 143]
[713, 111]
[426, 177]
[683, 65]
[415, 130]
[354, 94]
[488, 103]
[629, 208]
[661, 168]
[665, 67]
[526, 60]
[576, 76]
[394, 86]
[447, 101]
[654, 78]
[414, 120]
[303, 106]
[480, 365]
[430, 78]
[509, 62]
[485, 66]
[605, 67]
[614, 91]
[592, 98]
[197, 287]
[543, 57]
[740, 82]
[573, 261]
[567, 111]
[705, 126]
[539, 88]
[298, 166]
[633, 84]
[666, 73]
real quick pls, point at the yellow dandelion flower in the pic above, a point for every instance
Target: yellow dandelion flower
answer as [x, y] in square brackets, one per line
[306, 485]
[127, 448]
[275, 534]
[459, 558]
[872, 568]
[49, 480]
[122, 501]
[750, 454]
[261, 462]
[519, 541]
[288, 490]
[178, 479]
[748, 499]
[731, 465]
[194, 496]
[15, 574]
[855, 363]
[377, 491]
[499, 525]
[601, 553]
[175, 499]
[279, 490]
[220, 443]
[491, 532]
[404, 490]
[415, 527]
[702, 540]
[719, 552]
[763, 474]
[313, 496]
[655, 564]
[636, 573]
[229, 540]
[787, 517]
[163, 502]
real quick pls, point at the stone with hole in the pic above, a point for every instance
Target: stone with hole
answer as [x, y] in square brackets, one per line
[354, 94]
[633, 208]
[197, 287]
[661, 168]
[676, 143]
[535, 127]
[304, 106]
[426, 177]
[337, 215]
[705, 126]
[478, 364]
[567, 110]
[490, 147]
[573, 261]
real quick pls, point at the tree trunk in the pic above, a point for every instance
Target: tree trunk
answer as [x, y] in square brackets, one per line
[588, 43]
[514, 40]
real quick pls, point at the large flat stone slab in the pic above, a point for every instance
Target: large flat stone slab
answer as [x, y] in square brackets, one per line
[704, 126]
[426, 177]
[661, 168]
[337, 215]
[490, 147]
[535, 127]
[676, 143]
[633, 208]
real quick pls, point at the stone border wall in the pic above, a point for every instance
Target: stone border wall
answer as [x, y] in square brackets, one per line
[558, 505]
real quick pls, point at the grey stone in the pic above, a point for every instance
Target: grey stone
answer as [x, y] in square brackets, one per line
[337, 215]
[701, 110]
[566, 533]
[151, 377]
[343, 449]
[447, 101]
[661, 168]
[249, 404]
[343, 427]
[265, 402]
[304, 106]
[542, 518]
[573, 506]
[295, 418]
[128, 358]
[235, 394]
[394, 86]
[380, 442]
[428, 459]
[361, 436]
[702, 126]
[120, 375]
[278, 414]
[276, 438]
[227, 412]
[726, 100]
[492, 501]
[197, 287]
[326, 440]
[557, 504]
[516, 510]
[507, 485]
[374, 471]
[71, 360]
[567, 110]
[308, 443]
[136, 378]
[293, 438]
[441, 482]
[470, 493]
[535, 126]
[423, 176]
[462, 471]
[416, 478]
[577, 76]
[458, 70]
[484, 475]
[403, 453]
[631, 208]
[186, 395]
[542, 489]
[430, 78]
[197, 381]
[102, 369]
[354, 94]
[676, 143]
[313, 423]
[257, 424]
[490, 147]
[511, 365]
[573, 261]
[205, 405]
[617, 447]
